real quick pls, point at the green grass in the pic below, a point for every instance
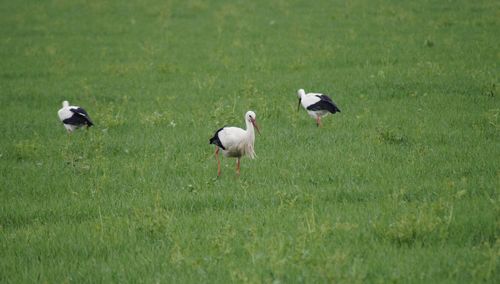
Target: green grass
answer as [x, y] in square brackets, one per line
[402, 186]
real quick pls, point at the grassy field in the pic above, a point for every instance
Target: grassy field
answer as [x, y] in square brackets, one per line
[402, 186]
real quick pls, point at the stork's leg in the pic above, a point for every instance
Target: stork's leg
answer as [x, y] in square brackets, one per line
[318, 121]
[218, 161]
[238, 167]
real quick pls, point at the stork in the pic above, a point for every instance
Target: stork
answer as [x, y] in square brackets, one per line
[73, 117]
[316, 105]
[236, 142]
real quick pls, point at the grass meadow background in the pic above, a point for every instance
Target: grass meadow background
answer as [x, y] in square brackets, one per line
[402, 186]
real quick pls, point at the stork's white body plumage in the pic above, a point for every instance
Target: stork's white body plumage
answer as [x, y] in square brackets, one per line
[317, 105]
[236, 142]
[310, 99]
[73, 117]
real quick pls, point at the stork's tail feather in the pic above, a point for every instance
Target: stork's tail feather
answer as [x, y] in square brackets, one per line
[213, 140]
[331, 107]
[216, 141]
[88, 121]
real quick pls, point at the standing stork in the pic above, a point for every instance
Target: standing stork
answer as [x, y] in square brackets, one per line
[236, 142]
[317, 105]
[73, 117]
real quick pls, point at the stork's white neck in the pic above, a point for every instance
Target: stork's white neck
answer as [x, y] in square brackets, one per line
[250, 130]
[65, 104]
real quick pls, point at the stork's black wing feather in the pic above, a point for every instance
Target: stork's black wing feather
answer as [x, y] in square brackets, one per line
[216, 141]
[75, 119]
[324, 103]
[80, 115]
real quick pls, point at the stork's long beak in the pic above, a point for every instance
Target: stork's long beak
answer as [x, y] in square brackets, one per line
[298, 106]
[254, 123]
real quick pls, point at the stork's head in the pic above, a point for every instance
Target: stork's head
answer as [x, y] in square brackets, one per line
[300, 93]
[250, 117]
[65, 104]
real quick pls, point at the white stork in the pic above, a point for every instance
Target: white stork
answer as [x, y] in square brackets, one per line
[236, 142]
[73, 117]
[316, 105]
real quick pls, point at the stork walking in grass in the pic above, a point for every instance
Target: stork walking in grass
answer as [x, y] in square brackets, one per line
[236, 142]
[73, 117]
[316, 105]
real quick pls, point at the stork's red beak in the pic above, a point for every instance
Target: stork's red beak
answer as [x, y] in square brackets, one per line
[254, 123]
[298, 106]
